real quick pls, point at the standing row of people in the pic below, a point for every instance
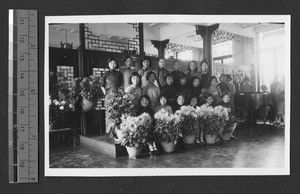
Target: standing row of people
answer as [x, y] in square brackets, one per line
[192, 84]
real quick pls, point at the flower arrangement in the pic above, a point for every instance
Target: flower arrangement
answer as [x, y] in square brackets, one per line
[58, 111]
[230, 122]
[87, 88]
[189, 123]
[136, 129]
[117, 105]
[215, 120]
[167, 126]
[60, 101]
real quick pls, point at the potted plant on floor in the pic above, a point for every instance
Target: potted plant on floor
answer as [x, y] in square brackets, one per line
[188, 124]
[167, 129]
[60, 102]
[229, 128]
[87, 91]
[119, 104]
[136, 130]
[215, 122]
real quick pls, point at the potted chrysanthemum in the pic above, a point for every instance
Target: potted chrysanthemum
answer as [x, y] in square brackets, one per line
[136, 130]
[189, 124]
[58, 111]
[167, 129]
[119, 104]
[229, 127]
[215, 122]
[88, 91]
[60, 102]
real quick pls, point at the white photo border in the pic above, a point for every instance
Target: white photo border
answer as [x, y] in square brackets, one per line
[125, 172]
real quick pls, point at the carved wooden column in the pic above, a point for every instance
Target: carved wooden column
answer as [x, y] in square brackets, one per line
[160, 45]
[206, 32]
[82, 65]
[141, 40]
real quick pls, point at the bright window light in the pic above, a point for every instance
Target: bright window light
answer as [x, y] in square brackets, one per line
[185, 55]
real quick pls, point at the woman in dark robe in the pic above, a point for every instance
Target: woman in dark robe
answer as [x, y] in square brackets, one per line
[115, 76]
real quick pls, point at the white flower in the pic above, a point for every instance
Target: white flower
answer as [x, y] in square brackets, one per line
[56, 103]
[71, 106]
[63, 102]
[61, 107]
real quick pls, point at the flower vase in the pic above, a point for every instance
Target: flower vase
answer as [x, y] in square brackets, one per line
[189, 139]
[119, 134]
[133, 152]
[211, 139]
[88, 105]
[226, 136]
[168, 146]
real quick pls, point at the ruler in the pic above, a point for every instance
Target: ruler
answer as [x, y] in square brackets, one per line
[23, 96]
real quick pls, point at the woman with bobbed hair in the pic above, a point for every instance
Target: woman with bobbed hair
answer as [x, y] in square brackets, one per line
[192, 71]
[134, 89]
[114, 76]
[127, 70]
[146, 64]
[214, 90]
[151, 89]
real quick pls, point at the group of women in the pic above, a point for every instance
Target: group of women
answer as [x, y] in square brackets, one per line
[193, 85]
[163, 90]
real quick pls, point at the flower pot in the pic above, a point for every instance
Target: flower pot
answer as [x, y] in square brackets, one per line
[226, 136]
[133, 152]
[168, 146]
[211, 139]
[119, 133]
[189, 139]
[88, 105]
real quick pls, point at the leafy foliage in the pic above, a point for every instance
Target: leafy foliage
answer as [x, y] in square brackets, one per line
[167, 126]
[136, 129]
[189, 124]
[60, 101]
[119, 103]
[88, 88]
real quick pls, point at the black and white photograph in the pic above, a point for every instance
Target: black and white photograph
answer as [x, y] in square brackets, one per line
[167, 95]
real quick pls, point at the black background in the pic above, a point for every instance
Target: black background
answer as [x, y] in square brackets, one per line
[194, 184]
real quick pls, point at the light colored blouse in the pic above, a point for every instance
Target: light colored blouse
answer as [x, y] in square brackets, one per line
[153, 92]
[135, 93]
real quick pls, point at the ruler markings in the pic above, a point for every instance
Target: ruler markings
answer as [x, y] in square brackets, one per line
[23, 112]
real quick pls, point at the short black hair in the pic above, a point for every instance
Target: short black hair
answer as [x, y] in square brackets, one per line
[179, 94]
[212, 77]
[127, 57]
[226, 93]
[204, 61]
[189, 69]
[163, 96]
[144, 59]
[191, 97]
[228, 76]
[110, 60]
[135, 74]
[149, 74]
[168, 75]
[147, 97]
[182, 75]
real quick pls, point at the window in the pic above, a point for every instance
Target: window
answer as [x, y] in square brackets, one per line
[272, 61]
[222, 49]
[185, 55]
[222, 52]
